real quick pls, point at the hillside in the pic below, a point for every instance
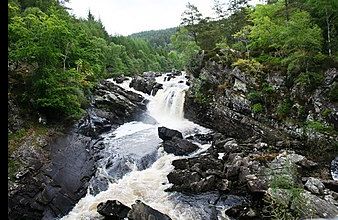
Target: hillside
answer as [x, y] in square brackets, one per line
[156, 38]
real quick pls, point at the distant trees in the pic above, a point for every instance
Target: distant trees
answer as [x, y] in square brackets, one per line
[157, 38]
[68, 56]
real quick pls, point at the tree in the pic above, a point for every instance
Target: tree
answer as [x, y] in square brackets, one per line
[219, 9]
[237, 5]
[297, 42]
[190, 18]
[326, 14]
[184, 45]
[90, 16]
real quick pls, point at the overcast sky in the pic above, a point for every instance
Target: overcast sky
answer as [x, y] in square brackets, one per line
[130, 16]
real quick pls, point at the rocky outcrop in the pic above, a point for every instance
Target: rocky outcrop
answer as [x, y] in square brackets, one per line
[233, 124]
[146, 83]
[111, 106]
[173, 142]
[113, 210]
[52, 187]
[167, 134]
[15, 121]
[179, 147]
[141, 211]
[49, 188]
[234, 166]
[120, 79]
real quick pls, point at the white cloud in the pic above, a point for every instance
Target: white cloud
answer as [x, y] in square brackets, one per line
[130, 16]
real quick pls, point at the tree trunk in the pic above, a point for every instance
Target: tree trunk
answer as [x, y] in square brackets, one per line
[328, 32]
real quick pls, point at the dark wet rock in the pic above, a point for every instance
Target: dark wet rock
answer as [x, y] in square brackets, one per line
[201, 138]
[176, 73]
[228, 122]
[156, 87]
[197, 174]
[93, 125]
[179, 147]
[120, 79]
[51, 188]
[256, 185]
[305, 163]
[112, 106]
[113, 210]
[149, 74]
[141, 211]
[167, 134]
[143, 84]
[242, 211]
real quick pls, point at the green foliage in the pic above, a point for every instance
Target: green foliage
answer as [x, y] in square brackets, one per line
[257, 108]
[200, 91]
[285, 200]
[156, 38]
[310, 80]
[333, 94]
[284, 108]
[249, 66]
[326, 112]
[69, 56]
[185, 46]
[318, 127]
[296, 40]
[255, 97]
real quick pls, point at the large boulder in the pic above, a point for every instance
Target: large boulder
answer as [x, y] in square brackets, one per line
[141, 211]
[314, 185]
[113, 210]
[198, 174]
[111, 105]
[143, 84]
[167, 134]
[179, 147]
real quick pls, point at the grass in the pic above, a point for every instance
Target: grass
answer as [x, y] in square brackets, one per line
[286, 201]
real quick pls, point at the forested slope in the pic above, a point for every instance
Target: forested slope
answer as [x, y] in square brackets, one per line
[55, 59]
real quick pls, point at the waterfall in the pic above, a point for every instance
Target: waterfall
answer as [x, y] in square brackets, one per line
[132, 152]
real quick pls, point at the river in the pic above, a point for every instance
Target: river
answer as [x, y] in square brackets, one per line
[135, 168]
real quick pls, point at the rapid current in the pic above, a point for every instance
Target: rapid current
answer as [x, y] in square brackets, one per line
[134, 167]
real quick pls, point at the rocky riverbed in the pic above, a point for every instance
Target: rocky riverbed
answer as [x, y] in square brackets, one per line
[250, 170]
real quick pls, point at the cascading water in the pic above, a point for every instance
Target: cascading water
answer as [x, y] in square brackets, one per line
[134, 168]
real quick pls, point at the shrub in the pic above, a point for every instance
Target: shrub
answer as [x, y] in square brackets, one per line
[257, 108]
[285, 200]
[249, 66]
[333, 94]
[310, 80]
[326, 112]
[284, 108]
[318, 127]
[255, 97]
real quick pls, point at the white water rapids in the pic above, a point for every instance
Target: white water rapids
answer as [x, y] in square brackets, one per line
[138, 138]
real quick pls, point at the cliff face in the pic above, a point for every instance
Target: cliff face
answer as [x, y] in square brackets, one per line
[272, 106]
[275, 141]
